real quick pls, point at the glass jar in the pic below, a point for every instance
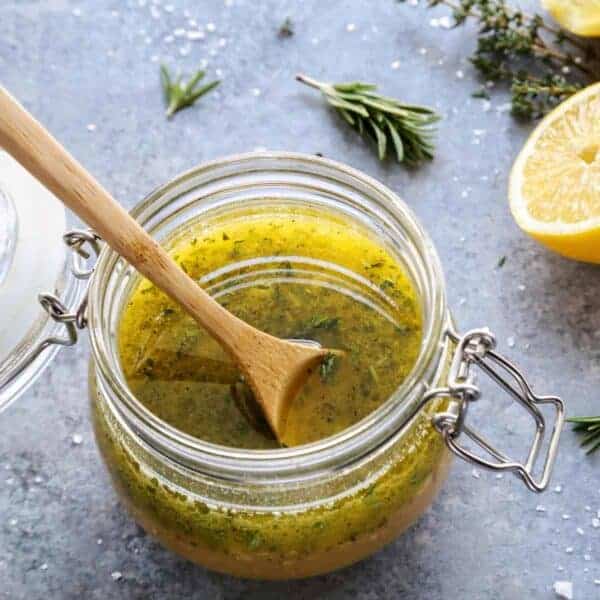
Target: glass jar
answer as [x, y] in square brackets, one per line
[299, 511]
[35, 271]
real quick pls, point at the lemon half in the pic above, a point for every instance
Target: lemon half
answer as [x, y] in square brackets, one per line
[554, 186]
[581, 17]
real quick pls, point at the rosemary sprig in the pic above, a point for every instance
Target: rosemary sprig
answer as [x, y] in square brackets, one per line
[389, 123]
[542, 64]
[178, 95]
[590, 428]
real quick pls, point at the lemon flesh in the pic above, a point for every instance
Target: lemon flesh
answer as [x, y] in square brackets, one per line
[581, 17]
[554, 185]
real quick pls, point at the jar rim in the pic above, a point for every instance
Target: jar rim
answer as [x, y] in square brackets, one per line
[341, 449]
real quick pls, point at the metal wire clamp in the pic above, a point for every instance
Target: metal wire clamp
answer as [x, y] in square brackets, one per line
[73, 319]
[476, 348]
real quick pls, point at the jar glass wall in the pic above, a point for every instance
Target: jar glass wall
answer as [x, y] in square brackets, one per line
[296, 511]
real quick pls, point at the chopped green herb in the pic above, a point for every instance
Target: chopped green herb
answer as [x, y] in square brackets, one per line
[328, 367]
[373, 374]
[501, 262]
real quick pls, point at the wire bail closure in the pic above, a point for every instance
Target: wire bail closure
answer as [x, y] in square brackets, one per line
[73, 319]
[476, 348]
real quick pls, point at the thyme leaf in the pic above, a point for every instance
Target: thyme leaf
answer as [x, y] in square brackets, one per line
[286, 29]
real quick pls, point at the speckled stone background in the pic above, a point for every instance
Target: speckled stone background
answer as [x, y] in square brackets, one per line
[77, 63]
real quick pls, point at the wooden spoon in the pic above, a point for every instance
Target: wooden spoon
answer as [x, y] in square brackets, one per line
[275, 369]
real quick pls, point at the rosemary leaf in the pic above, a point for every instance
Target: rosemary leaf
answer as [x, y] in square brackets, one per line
[405, 128]
[178, 95]
[590, 427]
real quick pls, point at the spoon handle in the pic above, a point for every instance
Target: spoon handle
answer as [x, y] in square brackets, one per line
[39, 153]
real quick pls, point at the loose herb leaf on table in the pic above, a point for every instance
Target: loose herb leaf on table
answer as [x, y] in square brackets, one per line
[542, 64]
[286, 29]
[589, 427]
[406, 129]
[179, 95]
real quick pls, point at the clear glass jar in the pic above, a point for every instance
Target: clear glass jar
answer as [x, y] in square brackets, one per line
[34, 269]
[298, 511]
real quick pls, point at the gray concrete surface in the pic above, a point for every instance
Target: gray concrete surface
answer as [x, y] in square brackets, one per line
[81, 62]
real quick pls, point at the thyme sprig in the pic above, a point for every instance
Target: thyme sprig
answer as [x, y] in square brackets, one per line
[590, 428]
[542, 64]
[405, 128]
[179, 95]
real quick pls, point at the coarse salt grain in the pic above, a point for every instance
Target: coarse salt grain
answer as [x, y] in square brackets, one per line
[587, 557]
[563, 589]
[256, 92]
[569, 550]
[475, 473]
[211, 27]
[116, 575]
[195, 35]
[169, 8]
[179, 32]
[595, 523]
[566, 517]
[540, 508]
[351, 27]
[510, 342]
[395, 65]
[91, 127]
[44, 567]
[460, 74]
[77, 439]
[579, 531]
[76, 12]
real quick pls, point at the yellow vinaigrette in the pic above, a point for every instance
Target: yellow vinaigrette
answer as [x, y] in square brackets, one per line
[296, 274]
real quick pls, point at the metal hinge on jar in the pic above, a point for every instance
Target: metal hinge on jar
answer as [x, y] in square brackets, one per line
[82, 244]
[476, 348]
